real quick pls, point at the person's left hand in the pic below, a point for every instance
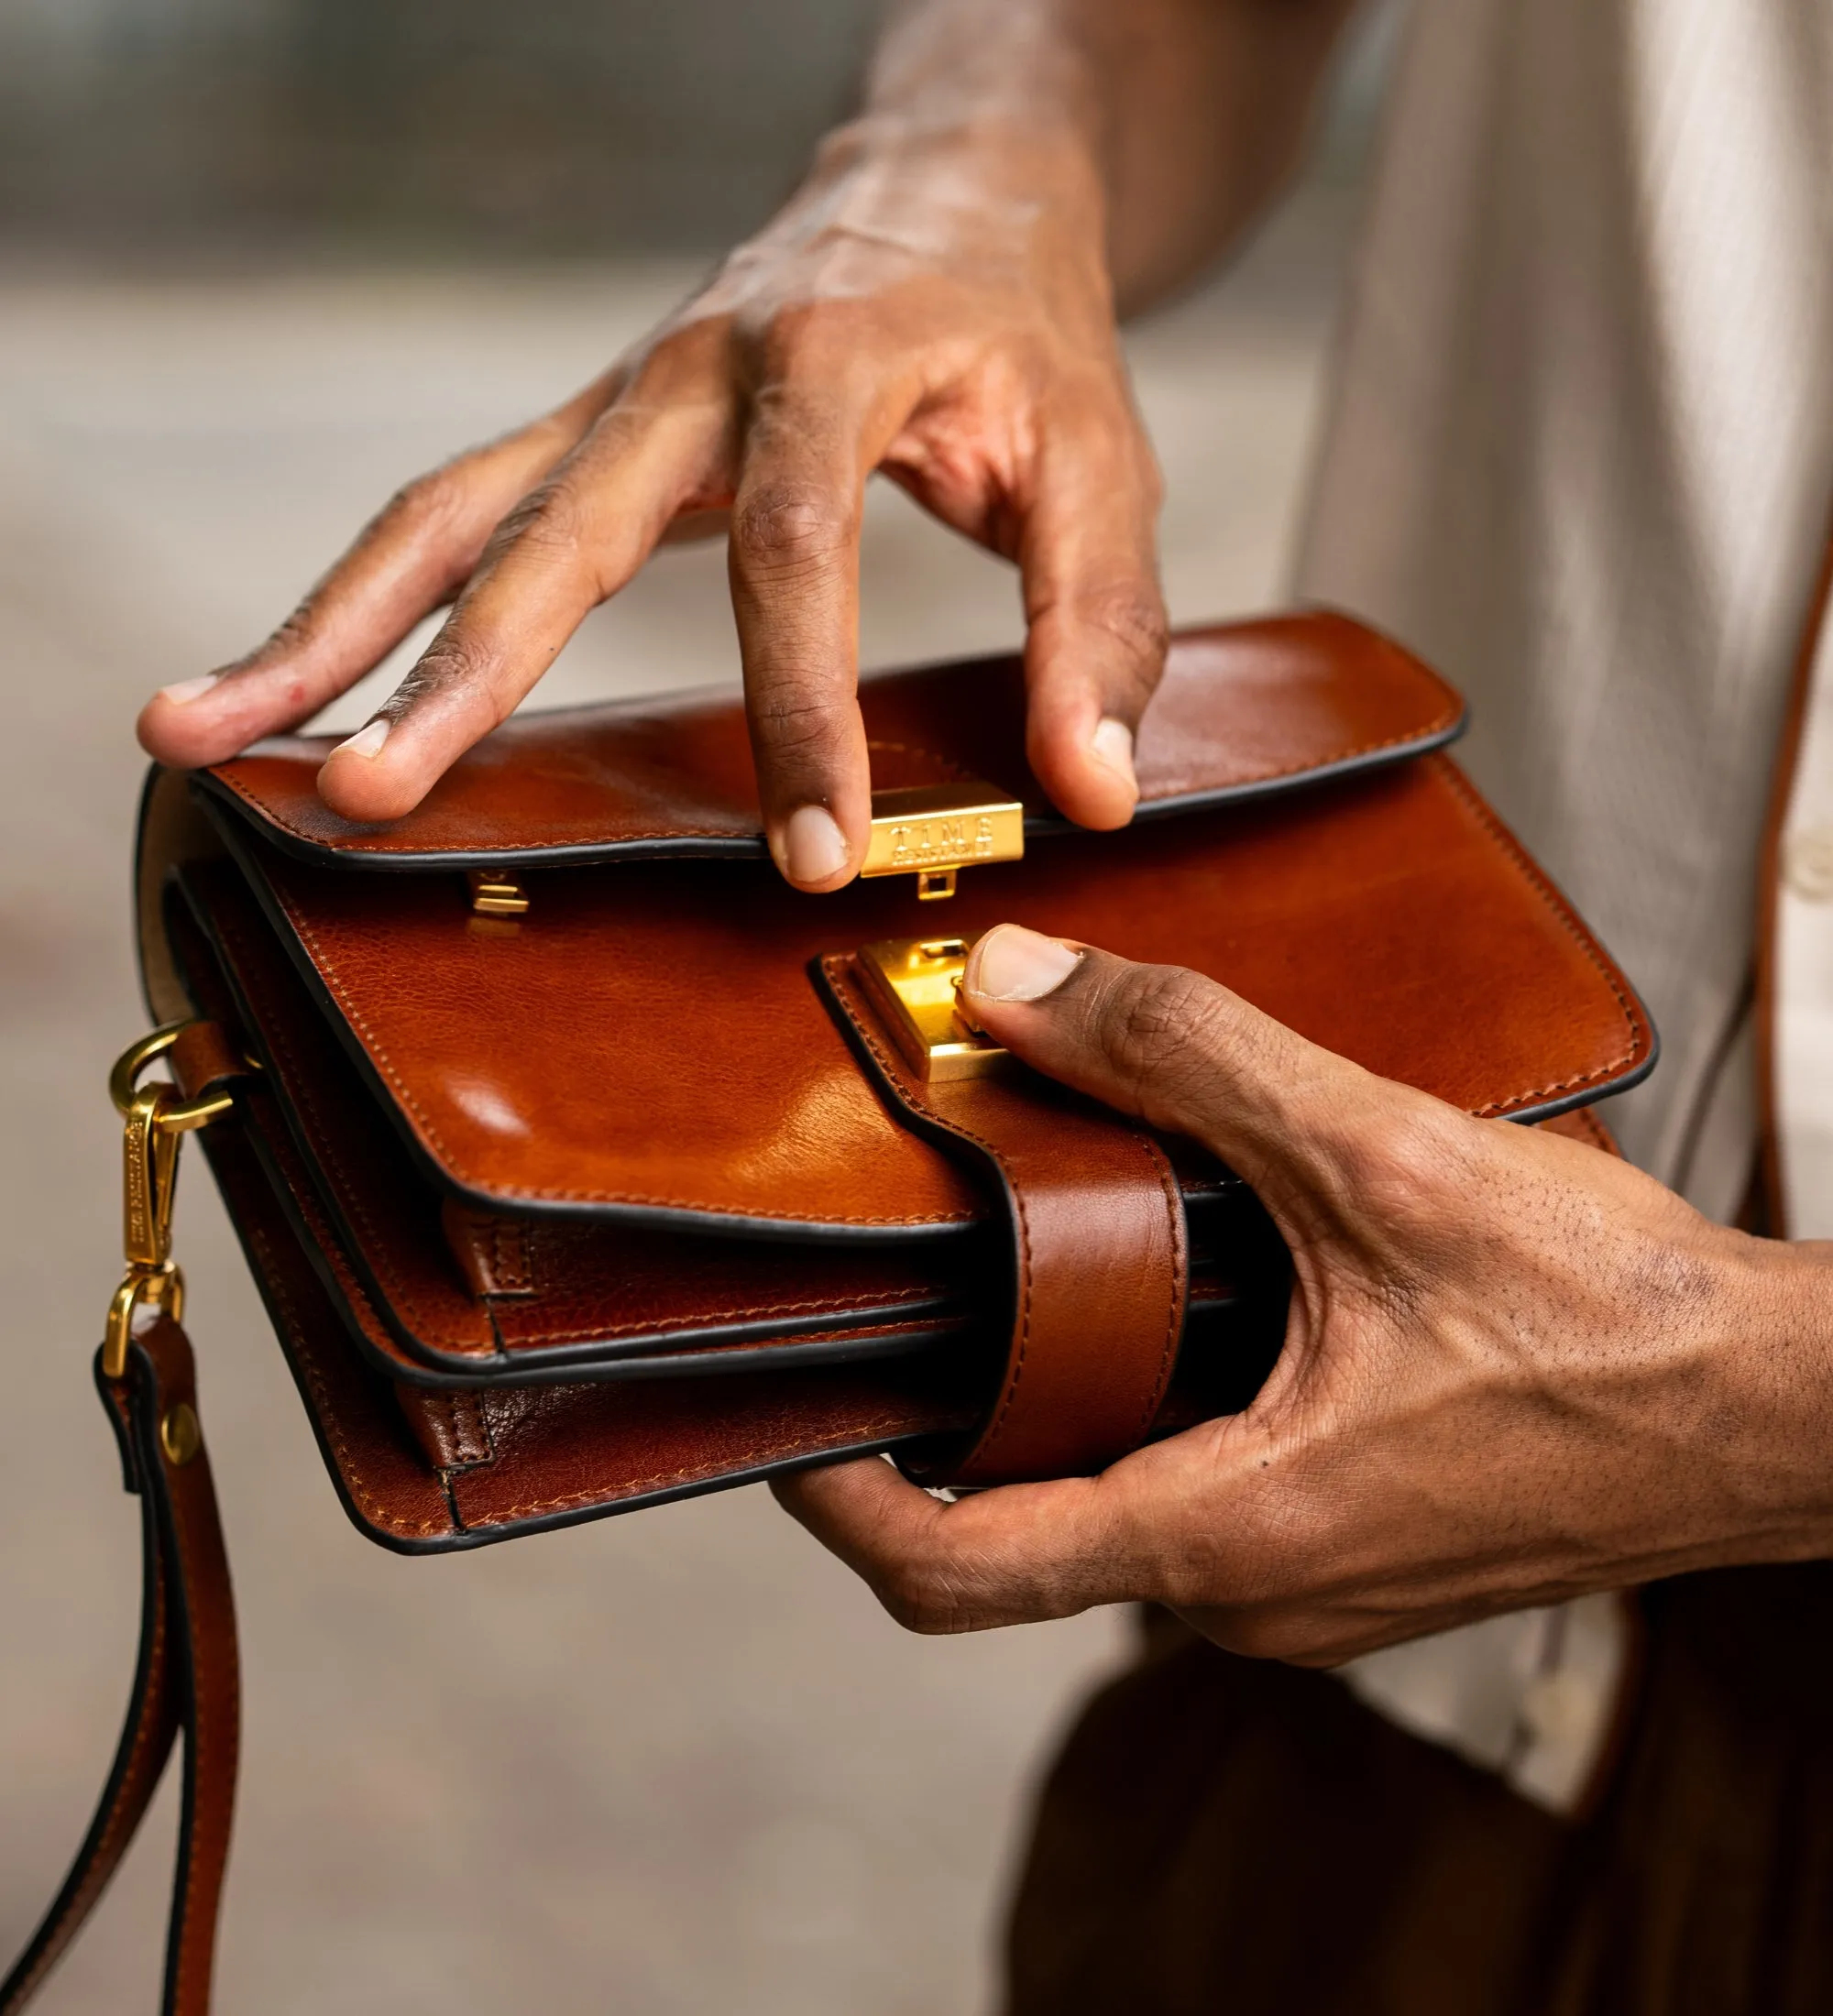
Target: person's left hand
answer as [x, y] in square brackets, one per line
[1515, 1369]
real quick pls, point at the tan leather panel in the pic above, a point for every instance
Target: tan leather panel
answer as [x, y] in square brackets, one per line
[1242, 706]
[649, 1036]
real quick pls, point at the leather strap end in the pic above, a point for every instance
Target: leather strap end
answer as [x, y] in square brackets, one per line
[185, 1681]
[1100, 1257]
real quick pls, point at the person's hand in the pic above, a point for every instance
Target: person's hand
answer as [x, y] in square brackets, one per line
[934, 309]
[1515, 1369]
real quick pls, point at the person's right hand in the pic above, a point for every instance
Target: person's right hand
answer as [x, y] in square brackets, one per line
[935, 309]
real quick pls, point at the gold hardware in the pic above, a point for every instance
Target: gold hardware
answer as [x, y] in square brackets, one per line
[933, 831]
[177, 1115]
[497, 895]
[162, 1286]
[180, 1436]
[155, 1117]
[915, 984]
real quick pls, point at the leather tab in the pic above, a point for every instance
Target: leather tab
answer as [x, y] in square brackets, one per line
[1100, 1253]
[202, 1057]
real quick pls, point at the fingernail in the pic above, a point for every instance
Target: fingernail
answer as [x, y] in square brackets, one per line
[1011, 963]
[814, 848]
[189, 689]
[366, 741]
[1112, 744]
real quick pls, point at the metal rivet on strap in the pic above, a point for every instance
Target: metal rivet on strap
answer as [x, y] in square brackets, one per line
[1807, 864]
[180, 1436]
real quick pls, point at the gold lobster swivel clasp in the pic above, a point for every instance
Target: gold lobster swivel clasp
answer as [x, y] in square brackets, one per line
[156, 1116]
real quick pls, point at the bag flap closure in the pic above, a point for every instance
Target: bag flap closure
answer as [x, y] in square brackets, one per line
[1245, 710]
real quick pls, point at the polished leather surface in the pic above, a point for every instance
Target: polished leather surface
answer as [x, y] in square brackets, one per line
[1244, 707]
[600, 1290]
[647, 1042]
[1100, 1267]
[627, 1304]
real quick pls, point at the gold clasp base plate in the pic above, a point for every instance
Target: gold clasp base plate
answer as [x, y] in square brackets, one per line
[915, 985]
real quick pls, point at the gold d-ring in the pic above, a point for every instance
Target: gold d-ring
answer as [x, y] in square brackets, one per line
[175, 1115]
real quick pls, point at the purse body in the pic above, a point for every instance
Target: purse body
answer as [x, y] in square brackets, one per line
[583, 1165]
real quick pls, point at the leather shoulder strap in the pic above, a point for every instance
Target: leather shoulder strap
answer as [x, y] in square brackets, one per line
[1101, 1259]
[185, 1680]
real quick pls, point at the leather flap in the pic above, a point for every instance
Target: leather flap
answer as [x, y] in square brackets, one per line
[1245, 710]
[650, 1045]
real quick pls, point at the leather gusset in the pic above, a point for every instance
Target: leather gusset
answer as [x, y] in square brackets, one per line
[495, 1253]
[417, 1479]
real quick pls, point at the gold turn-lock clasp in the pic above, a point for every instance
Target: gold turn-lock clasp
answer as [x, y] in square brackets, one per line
[933, 831]
[495, 892]
[156, 1118]
[915, 984]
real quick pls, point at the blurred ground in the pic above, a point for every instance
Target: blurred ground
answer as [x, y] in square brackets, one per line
[665, 1765]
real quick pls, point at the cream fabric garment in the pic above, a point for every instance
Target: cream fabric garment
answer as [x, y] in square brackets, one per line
[1803, 969]
[1580, 456]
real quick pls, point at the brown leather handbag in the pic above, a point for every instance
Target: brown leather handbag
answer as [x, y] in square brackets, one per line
[583, 1165]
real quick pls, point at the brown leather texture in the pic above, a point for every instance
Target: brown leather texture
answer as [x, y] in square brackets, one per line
[646, 1040]
[578, 1211]
[186, 1683]
[1243, 707]
[1100, 1259]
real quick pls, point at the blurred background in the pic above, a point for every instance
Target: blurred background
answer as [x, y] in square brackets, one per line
[260, 260]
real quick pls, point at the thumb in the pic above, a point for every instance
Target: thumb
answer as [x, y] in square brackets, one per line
[1176, 1049]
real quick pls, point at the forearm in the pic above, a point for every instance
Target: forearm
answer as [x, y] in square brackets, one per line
[1164, 126]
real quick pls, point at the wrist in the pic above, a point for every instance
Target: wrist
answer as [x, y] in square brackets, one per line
[969, 159]
[1776, 1356]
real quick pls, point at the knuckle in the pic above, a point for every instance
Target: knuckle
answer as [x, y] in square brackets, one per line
[455, 672]
[430, 503]
[1161, 1028]
[1410, 1160]
[1132, 615]
[793, 715]
[787, 335]
[922, 1599]
[299, 627]
[551, 520]
[791, 528]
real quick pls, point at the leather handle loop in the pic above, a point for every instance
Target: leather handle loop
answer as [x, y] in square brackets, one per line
[1101, 1258]
[185, 1681]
